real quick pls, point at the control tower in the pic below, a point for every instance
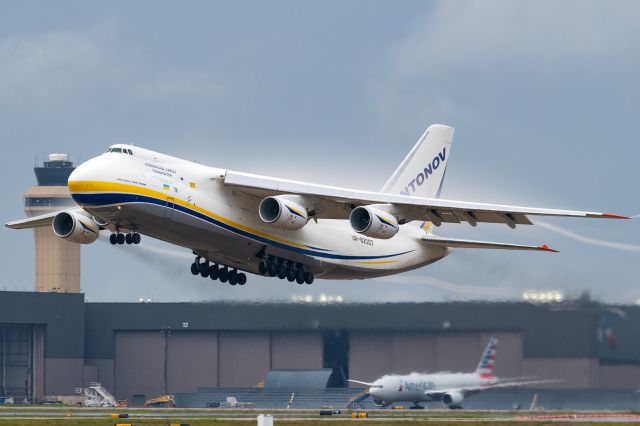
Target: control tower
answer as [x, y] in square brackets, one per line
[57, 260]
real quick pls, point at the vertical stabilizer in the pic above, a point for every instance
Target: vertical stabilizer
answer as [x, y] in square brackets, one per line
[421, 173]
[488, 361]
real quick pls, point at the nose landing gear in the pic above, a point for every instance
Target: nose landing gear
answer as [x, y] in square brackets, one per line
[119, 238]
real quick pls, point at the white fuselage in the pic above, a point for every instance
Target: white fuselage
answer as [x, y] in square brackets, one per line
[412, 387]
[189, 205]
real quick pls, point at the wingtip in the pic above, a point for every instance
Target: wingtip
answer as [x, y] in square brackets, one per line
[545, 247]
[614, 216]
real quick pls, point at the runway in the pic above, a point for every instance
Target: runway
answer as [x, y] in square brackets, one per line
[37, 415]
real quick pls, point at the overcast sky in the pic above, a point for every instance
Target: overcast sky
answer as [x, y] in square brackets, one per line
[544, 97]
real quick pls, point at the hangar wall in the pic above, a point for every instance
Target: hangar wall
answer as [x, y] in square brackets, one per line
[145, 349]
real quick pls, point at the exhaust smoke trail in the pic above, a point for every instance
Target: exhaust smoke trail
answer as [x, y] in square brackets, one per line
[454, 288]
[589, 240]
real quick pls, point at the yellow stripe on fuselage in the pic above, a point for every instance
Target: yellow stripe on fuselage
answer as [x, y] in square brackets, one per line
[99, 186]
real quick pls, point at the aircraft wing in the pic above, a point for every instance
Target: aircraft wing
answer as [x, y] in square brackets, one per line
[33, 222]
[336, 203]
[437, 395]
[454, 242]
[359, 382]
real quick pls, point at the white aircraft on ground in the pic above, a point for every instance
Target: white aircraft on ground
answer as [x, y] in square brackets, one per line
[236, 222]
[449, 388]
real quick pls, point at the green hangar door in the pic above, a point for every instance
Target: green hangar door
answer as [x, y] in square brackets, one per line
[151, 363]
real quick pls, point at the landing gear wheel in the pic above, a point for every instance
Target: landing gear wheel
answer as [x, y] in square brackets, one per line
[272, 269]
[242, 279]
[127, 239]
[262, 268]
[233, 277]
[214, 272]
[291, 275]
[300, 276]
[113, 238]
[194, 268]
[223, 274]
[120, 238]
[282, 271]
[135, 238]
[308, 278]
[204, 269]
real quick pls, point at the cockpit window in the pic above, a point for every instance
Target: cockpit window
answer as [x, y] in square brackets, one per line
[116, 150]
[130, 152]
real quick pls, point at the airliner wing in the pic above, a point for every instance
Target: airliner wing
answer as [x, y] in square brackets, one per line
[32, 222]
[335, 203]
[438, 394]
[359, 382]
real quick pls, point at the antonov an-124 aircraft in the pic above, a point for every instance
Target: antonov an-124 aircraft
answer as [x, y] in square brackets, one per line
[240, 222]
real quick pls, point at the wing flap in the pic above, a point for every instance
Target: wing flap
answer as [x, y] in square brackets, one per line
[460, 243]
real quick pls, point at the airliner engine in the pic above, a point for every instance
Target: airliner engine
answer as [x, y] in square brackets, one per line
[453, 399]
[283, 212]
[373, 222]
[75, 226]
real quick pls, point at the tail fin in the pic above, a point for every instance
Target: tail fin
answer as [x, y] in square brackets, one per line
[422, 171]
[488, 361]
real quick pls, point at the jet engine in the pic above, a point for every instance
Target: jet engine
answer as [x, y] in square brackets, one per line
[283, 212]
[75, 226]
[373, 222]
[453, 399]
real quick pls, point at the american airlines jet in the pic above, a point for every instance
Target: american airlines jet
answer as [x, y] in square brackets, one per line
[237, 222]
[449, 388]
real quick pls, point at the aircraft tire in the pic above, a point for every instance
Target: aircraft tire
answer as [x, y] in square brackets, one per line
[272, 269]
[242, 279]
[300, 276]
[291, 275]
[120, 238]
[262, 268]
[127, 239]
[214, 272]
[194, 268]
[233, 277]
[113, 239]
[136, 238]
[282, 271]
[223, 275]
[204, 269]
[308, 278]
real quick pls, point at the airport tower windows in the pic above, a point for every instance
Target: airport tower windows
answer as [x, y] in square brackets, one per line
[336, 357]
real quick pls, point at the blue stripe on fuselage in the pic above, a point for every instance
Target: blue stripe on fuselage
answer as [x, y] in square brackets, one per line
[104, 199]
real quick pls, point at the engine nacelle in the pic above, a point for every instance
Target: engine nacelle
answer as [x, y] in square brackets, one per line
[373, 222]
[283, 212]
[75, 226]
[452, 399]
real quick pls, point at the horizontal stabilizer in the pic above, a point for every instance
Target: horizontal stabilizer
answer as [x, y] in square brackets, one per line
[454, 242]
[32, 222]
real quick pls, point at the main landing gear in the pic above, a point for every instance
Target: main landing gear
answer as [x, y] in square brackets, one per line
[274, 266]
[120, 238]
[217, 272]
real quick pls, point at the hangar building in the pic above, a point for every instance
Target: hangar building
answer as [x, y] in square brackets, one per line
[52, 343]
